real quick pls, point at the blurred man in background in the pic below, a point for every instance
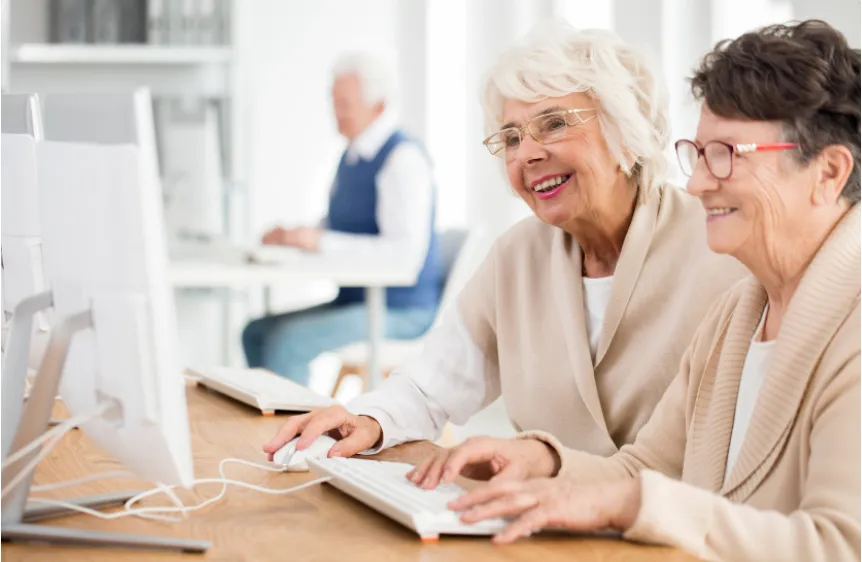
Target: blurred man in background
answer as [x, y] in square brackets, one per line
[382, 207]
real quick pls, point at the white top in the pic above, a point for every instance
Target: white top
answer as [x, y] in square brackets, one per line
[597, 293]
[405, 196]
[446, 382]
[753, 373]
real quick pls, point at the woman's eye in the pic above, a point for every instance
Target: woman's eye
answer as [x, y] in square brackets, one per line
[554, 124]
[511, 140]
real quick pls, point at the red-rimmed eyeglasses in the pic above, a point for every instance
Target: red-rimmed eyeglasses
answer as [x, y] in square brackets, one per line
[718, 155]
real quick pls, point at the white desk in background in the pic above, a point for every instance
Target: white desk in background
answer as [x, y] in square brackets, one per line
[210, 272]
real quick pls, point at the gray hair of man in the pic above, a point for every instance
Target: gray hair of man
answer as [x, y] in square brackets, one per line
[374, 74]
[555, 59]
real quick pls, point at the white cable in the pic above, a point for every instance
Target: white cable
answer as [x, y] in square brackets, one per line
[99, 514]
[83, 480]
[29, 467]
[62, 429]
[153, 512]
[54, 434]
[224, 482]
[51, 437]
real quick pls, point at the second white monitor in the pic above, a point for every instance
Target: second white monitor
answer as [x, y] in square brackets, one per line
[104, 251]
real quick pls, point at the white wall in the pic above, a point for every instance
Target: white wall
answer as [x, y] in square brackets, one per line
[293, 146]
[843, 14]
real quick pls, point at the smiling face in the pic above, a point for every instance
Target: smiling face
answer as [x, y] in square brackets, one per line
[767, 201]
[571, 179]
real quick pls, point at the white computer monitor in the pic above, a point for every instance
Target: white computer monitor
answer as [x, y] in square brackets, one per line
[21, 115]
[24, 338]
[23, 274]
[22, 264]
[114, 118]
[104, 250]
[113, 350]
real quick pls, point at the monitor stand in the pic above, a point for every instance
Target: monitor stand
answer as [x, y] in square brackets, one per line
[16, 520]
[17, 330]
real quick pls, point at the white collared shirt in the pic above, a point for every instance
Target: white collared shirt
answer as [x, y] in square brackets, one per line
[405, 198]
[450, 380]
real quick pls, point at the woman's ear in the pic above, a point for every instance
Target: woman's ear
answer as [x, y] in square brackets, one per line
[834, 166]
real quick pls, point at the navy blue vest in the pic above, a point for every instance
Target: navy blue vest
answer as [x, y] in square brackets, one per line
[353, 209]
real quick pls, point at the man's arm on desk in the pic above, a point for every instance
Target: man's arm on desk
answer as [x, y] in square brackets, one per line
[449, 380]
[405, 199]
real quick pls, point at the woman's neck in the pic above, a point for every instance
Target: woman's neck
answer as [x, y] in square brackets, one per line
[601, 236]
[782, 272]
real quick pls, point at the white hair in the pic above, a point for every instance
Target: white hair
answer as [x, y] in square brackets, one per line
[373, 72]
[556, 60]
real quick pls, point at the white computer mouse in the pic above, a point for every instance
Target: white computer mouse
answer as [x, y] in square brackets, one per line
[294, 461]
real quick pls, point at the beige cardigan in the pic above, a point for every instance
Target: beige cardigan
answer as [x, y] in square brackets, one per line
[525, 310]
[798, 473]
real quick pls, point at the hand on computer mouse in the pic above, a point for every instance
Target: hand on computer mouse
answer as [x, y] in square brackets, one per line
[295, 460]
[354, 433]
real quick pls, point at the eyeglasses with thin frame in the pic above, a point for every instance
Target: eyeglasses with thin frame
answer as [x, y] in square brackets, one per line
[718, 155]
[545, 129]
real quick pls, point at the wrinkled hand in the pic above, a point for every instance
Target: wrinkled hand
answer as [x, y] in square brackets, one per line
[305, 238]
[487, 458]
[355, 433]
[552, 503]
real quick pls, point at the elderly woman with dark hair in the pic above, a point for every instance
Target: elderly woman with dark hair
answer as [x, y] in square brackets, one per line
[754, 451]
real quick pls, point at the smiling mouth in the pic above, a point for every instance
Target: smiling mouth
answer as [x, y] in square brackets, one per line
[720, 211]
[551, 184]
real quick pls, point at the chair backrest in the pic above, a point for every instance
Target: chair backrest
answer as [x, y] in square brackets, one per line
[451, 241]
[461, 253]
[22, 115]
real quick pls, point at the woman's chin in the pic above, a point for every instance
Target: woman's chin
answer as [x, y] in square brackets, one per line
[552, 216]
[721, 245]
[552, 220]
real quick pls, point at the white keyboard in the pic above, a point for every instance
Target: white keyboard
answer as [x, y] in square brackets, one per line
[275, 255]
[215, 249]
[384, 487]
[222, 250]
[261, 389]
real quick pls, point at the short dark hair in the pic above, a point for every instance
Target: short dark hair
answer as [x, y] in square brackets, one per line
[804, 75]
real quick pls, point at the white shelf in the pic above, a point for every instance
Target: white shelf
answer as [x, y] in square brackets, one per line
[45, 53]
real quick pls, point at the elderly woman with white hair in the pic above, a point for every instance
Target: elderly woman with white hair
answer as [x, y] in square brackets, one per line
[580, 314]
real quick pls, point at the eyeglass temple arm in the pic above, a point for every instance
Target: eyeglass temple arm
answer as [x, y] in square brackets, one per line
[759, 147]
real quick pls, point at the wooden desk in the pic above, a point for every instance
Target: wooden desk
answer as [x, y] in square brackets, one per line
[318, 523]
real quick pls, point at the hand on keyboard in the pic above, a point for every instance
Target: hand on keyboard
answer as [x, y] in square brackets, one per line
[355, 433]
[487, 458]
[606, 508]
